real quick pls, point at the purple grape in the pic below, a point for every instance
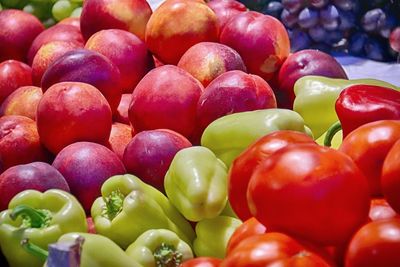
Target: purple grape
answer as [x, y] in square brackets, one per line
[321, 47]
[390, 23]
[318, 3]
[374, 50]
[317, 34]
[357, 43]
[273, 8]
[347, 20]
[293, 6]
[346, 5]
[333, 37]
[373, 20]
[288, 19]
[308, 18]
[330, 17]
[299, 40]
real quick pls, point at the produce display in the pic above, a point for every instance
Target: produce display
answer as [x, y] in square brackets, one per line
[191, 135]
[358, 27]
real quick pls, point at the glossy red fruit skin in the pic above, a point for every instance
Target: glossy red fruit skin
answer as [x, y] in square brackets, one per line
[291, 190]
[17, 32]
[23, 101]
[86, 166]
[225, 10]
[13, 75]
[36, 175]
[246, 163]
[395, 39]
[390, 179]
[375, 244]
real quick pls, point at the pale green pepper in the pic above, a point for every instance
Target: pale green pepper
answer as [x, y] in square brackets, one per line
[196, 183]
[316, 97]
[228, 136]
[156, 248]
[129, 207]
[213, 236]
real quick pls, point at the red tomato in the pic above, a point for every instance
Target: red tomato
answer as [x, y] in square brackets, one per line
[244, 165]
[380, 210]
[202, 262]
[248, 228]
[311, 192]
[376, 244]
[368, 146]
[272, 249]
[390, 179]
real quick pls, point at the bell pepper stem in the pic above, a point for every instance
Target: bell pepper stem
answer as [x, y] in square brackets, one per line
[114, 203]
[34, 249]
[336, 127]
[32, 218]
[167, 256]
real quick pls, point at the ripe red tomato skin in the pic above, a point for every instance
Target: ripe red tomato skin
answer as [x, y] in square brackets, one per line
[390, 179]
[368, 146]
[249, 228]
[273, 249]
[310, 192]
[380, 210]
[202, 262]
[375, 244]
[244, 165]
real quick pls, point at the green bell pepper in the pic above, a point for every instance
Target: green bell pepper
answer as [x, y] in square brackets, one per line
[228, 136]
[129, 207]
[213, 236]
[41, 218]
[331, 138]
[158, 248]
[196, 183]
[316, 97]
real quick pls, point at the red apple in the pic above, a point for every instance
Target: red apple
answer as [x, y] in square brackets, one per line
[36, 175]
[17, 31]
[166, 98]
[86, 66]
[206, 61]
[19, 141]
[303, 63]
[13, 74]
[232, 92]
[177, 25]
[127, 52]
[261, 40]
[128, 15]
[23, 101]
[46, 55]
[225, 10]
[149, 155]
[62, 32]
[120, 136]
[70, 112]
[86, 166]
[122, 111]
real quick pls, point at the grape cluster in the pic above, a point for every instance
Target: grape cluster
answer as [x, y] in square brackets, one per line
[358, 27]
[48, 11]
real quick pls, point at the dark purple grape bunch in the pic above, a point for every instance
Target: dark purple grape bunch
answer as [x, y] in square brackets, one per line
[321, 24]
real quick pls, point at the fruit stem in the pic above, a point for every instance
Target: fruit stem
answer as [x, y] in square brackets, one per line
[114, 203]
[167, 256]
[31, 218]
[34, 249]
[336, 127]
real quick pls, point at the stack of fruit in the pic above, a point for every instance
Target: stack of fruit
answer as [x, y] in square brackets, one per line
[361, 28]
[48, 11]
[155, 138]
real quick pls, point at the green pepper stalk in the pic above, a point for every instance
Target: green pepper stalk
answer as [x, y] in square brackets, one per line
[34, 250]
[334, 129]
[160, 248]
[40, 217]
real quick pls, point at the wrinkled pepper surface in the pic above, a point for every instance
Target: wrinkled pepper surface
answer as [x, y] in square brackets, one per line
[40, 217]
[129, 207]
[213, 236]
[228, 136]
[159, 247]
[360, 104]
[316, 97]
[100, 251]
[196, 183]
